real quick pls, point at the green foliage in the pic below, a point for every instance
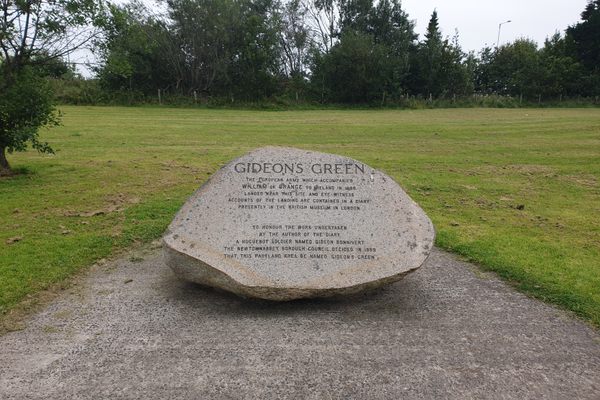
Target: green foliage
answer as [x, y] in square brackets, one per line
[583, 44]
[392, 29]
[354, 70]
[253, 65]
[585, 36]
[355, 16]
[522, 70]
[514, 69]
[439, 67]
[208, 47]
[136, 52]
[330, 51]
[371, 60]
[78, 91]
[205, 52]
[296, 45]
[26, 105]
[51, 67]
[560, 74]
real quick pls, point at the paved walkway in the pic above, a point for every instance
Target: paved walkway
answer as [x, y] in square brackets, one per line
[132, 331]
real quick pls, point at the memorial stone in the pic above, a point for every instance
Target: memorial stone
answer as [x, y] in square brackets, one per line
[281, 223]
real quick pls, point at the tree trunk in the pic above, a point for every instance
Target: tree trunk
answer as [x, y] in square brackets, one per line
[4, 166]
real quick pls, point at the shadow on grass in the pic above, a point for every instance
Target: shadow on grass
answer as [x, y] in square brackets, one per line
[16, 173]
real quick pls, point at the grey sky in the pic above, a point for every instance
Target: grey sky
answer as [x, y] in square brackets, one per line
[477, 20]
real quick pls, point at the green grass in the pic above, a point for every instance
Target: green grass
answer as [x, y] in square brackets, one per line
[517, 191]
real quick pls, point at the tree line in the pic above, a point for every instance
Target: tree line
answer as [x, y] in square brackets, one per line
[330, 51]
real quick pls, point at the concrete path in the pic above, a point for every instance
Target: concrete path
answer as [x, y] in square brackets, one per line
[132, 331]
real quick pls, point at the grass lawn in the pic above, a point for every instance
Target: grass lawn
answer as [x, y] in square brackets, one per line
[517, 191]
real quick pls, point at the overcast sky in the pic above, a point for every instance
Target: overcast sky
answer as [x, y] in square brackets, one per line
[477, 20]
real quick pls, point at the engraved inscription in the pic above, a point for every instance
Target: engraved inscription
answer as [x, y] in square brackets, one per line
[325, 242]
[290, 187]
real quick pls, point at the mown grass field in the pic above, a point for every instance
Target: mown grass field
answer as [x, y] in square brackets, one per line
[517, 191]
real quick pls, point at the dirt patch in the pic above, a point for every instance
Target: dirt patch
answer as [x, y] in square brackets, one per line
[116, 202]
[167, 166]
[584, 180]
[13, 240]
[521, 169]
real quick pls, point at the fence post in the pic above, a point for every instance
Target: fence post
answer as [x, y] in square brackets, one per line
[159, 98]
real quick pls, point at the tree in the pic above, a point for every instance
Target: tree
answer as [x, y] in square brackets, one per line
[325, 15]
[562, 73]
[429, 59]
[204, 33]
[25, 105]
[439, 65]
[482, 79]
[296, 41]
[254, 63]
[34, 33]
[354, 71]
[391, 27]
[370, 61]
[138, 52]
[583, 41]
[228, 47]
[585, 36]
[355, 16]
[514, 69]
[457, 69]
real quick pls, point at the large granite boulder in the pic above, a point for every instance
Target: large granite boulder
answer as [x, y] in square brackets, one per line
[281, 223]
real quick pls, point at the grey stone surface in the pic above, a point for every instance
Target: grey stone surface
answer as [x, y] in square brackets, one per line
[446, 331]
[281, 223]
